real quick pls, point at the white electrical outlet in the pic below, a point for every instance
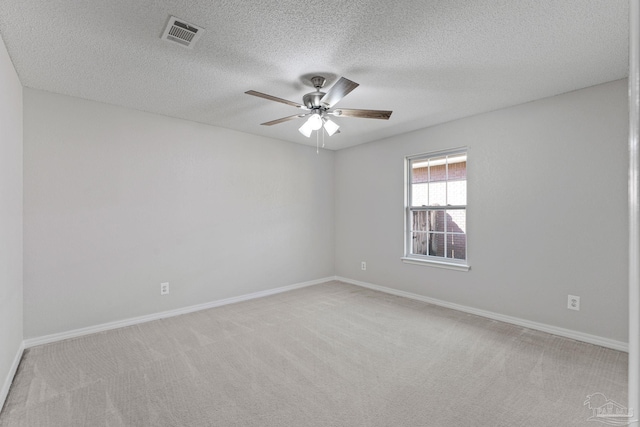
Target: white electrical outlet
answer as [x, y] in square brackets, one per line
[363, 265]
[573, 303]
[164, 288]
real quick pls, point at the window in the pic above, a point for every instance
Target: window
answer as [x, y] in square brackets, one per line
[436, 211]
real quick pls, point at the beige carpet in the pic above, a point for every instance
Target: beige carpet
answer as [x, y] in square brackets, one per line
[327, 355]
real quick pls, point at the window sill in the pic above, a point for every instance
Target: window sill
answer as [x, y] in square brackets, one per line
[434, 263]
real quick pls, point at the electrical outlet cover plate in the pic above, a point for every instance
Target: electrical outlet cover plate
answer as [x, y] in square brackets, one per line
[573, 302]
[164, 288]
[363, 265]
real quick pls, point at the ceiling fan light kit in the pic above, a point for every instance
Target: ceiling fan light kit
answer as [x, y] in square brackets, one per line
[315, 122]
[319, 105]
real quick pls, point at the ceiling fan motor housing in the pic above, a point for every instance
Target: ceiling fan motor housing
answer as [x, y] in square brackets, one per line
[312, 100]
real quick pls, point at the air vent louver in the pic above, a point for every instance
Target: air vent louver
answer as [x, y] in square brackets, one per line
[181, 32]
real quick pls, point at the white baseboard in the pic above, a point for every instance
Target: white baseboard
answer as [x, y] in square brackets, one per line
[10, 375]
[554, 330]
[46, 339]
[567, 333]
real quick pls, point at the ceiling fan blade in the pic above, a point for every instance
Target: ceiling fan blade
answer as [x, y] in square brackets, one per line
[363, 114]
[338, 91]
[282, 120]
[273, 98]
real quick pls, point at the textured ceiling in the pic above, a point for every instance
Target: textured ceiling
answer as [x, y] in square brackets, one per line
[428, 61]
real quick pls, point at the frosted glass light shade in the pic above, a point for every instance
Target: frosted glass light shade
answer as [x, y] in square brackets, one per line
[315, 121]
[305, 129]
[330, 126]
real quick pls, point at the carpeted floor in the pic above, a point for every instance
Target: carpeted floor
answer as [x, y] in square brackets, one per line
[327, 355]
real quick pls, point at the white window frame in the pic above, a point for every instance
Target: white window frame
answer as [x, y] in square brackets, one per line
[431, 260]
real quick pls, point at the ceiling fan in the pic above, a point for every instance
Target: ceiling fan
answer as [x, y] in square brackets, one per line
[319, 105]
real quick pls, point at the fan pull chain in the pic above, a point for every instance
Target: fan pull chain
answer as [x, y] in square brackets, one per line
[317, 143]
[323, 130]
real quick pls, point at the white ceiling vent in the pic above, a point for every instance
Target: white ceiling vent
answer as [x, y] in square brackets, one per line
[181, 32]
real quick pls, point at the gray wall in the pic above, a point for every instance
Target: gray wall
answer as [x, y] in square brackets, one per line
[118, 201]
[546, 211]
[10, 216]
